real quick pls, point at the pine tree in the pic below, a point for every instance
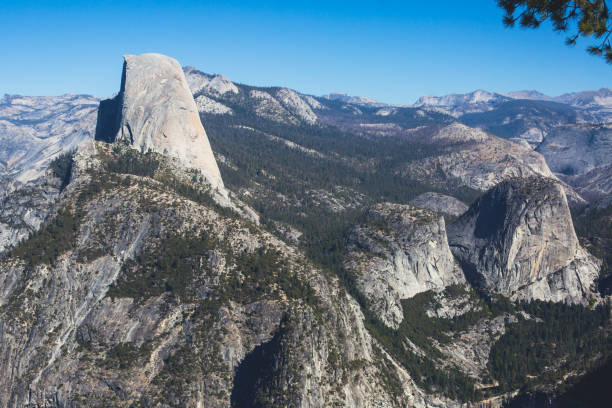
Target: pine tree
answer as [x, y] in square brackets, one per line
[583, 18]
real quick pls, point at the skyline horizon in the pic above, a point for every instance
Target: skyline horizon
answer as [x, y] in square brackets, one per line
[390, 51]
[336, 92]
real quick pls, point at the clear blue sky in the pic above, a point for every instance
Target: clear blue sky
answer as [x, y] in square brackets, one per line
[387, 50]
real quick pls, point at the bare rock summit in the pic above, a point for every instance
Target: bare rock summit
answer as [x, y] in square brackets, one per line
[440, 203]
[155, 111]
[518, 240]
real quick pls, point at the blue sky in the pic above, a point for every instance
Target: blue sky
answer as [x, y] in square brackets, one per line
[391, 51]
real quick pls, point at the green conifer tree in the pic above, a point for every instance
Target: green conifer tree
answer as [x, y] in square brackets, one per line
[580, 18]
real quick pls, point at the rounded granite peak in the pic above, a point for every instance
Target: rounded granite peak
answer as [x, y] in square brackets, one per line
[518, 240]
[155, 111]
[397, 251]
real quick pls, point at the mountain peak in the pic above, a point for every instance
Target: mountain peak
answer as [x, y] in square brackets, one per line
[216, 84]
[155, 111]
[529, 94]
[357, 100]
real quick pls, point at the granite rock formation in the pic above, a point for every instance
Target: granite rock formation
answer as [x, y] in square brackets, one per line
[518, 240]
[440, 203]
[397, 252]
[476, 158]
[155, 111]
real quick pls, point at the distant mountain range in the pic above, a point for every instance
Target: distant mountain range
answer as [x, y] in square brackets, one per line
[594, 102]
[601, 98]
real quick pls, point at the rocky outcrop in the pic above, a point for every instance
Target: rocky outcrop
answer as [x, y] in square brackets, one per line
[286, 108]
[24, 208]
[296, 105]
[518, 240]
[212, 107]
[440, 203]
[36, 129]
[473, 157]
[397, 252]
[155, 111]
[577, 149]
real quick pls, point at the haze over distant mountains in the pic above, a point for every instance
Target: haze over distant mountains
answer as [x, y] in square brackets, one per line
[599, 101]
[598, 98]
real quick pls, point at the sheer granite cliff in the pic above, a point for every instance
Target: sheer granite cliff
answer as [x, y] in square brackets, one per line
[397, 252]
[155, 111]
[519, 240]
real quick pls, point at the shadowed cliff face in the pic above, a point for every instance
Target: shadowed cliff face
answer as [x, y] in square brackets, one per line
[253, 375]
[490, 217]
[109, 114]
[519, 240]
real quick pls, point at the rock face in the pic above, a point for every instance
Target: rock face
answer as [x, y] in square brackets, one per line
[475, 158]
[518, 240]
[36, 129]
[210, 106]
[296, 105]
[155, 111]
[23, 208]
[397, 252]
[440, 203]
[577, 149]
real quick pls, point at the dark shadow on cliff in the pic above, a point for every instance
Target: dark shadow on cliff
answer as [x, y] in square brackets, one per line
[491, 212]
[109, 114]
[592, 391]
[254, 382]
